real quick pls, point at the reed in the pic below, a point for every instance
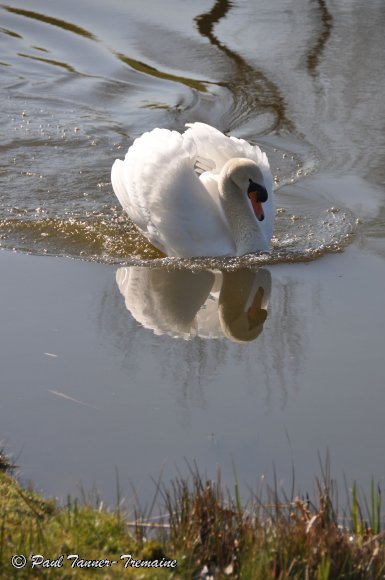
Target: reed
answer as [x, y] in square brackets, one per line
[205, 528]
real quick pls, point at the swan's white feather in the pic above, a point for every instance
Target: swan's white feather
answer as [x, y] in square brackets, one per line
[214, 145]
[168, 185]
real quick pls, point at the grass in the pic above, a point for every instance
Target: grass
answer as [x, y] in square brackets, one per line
[207, 530]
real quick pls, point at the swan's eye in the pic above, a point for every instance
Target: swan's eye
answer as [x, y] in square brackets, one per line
[259, 190]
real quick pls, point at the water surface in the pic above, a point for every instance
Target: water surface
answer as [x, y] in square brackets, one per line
[127, 359]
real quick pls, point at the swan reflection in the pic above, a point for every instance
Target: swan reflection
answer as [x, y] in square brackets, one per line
[209, 304]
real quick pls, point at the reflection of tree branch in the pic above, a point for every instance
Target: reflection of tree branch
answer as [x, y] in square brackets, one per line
[151, 71]
[52, 21]
[205, 22]
[315, 53]
[249, 86]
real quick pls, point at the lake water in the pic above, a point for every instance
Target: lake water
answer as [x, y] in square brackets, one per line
[115, 359]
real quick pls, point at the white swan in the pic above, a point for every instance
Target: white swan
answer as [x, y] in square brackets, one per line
[199, 193]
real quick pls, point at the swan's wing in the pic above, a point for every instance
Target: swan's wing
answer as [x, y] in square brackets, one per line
[213, 145]
[202, 165]
[157, 185]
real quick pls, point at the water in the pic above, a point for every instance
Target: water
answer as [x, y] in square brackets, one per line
[203, 359]
[43, 134]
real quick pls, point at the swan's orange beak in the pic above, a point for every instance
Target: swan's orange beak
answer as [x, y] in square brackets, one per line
[257, 206]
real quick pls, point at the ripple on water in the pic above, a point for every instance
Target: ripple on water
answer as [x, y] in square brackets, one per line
[111, 238]
[58, 147]
[45, 212]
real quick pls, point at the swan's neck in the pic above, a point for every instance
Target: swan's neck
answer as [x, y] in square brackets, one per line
[246, 232]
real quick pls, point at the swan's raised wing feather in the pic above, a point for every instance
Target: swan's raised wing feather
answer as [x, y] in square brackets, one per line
[157, 185]
[214, 145]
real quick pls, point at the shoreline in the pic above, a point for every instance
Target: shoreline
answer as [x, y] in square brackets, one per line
[205, 530]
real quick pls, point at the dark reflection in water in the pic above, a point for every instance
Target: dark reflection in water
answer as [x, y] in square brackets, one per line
[208, 304]
[10, 33]
[64, 65]
[206, 21]
[152, 71]
[249, 86]
[50, 20]
[315, 53]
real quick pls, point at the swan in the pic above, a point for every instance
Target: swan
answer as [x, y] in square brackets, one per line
[197, 194]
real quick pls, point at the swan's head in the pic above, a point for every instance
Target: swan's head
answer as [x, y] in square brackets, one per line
[248, 179]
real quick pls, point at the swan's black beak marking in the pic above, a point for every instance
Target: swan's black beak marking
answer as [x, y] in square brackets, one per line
[261, 192]
[257, 194]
